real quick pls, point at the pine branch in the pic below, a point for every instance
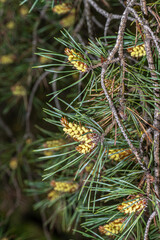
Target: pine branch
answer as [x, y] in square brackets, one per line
[156, 99]
[30, 101]
[114, 111]
[88, 19]
[148, 225]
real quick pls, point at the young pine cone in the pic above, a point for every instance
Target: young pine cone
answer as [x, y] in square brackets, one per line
[86, 137]
[64, 187]
[61, 8]
[138, 51]
[119, 154]
[18, 90]
[55, 144]
[53, 195]
[111, 228]
[76, 59]
[135, 204]
[69, 20]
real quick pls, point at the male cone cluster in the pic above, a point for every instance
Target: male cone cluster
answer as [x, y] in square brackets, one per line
[64, 187]
[132, 206]
[61, 8]
[81, 134]
[76, 59]
[111, 228]
[53, 195]
[7, 59]
[69, 20]
[118, 154]
[137, 51]
[18, 90]
[55, 144]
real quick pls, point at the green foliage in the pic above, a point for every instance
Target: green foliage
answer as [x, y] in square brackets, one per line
[35, 151]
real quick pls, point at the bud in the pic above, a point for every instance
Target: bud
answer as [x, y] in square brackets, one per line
[10, 25]
[132, 206]
[7, 59]
[118, 154]
[138, 51]
[44, 60]
[13, 163]
[111, 228]
[61, 8]
[55, 144]
[76, 59]
[86, 137]
[28, 141]
[18, 90]
[89, 167]
[23, 11]
[64, 187]
[53, 195]
[69, 20]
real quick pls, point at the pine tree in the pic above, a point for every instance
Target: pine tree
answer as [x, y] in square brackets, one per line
[93, 169]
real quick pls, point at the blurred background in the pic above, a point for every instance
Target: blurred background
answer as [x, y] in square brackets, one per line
[23, 95]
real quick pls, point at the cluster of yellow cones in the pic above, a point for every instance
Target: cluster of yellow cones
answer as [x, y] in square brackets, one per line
[76, 59]
[134, 205]
[137, 51]
[81, 134]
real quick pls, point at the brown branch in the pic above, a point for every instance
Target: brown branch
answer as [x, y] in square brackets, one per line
[121, 30]
[109, 19]
[88, 19]
[148, 225]
[146, 27]
[101, 64]
[7, 130]
[100, 25]
[156, 122]
[105, 13]
[30, 102]
[80, 24]
[114, 111]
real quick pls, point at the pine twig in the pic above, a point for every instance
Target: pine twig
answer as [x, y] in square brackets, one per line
[6, 128]
[114, 111]
[121, 30]
[88, 19]
[105, 13]
[156, 99]
[148, 225]
[155, 38]
[97, 22]
[30, 102]
[80, 24]
[107, 26]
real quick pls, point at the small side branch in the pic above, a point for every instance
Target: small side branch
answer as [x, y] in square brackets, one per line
[4, 126]
[156, 120]
[104, 13]
[88, 19]
[30, 102]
